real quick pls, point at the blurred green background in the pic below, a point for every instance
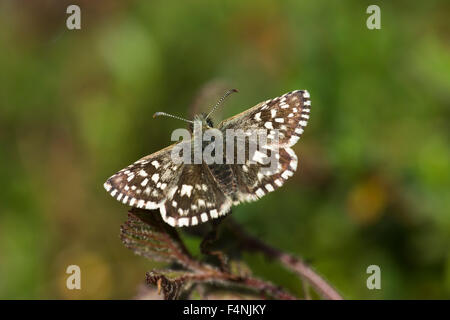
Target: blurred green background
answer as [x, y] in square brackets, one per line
[373, 179]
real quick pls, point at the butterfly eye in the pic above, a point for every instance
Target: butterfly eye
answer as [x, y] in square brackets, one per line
[209, 123]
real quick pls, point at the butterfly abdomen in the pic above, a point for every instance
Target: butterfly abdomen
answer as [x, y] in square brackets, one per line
[223, 174]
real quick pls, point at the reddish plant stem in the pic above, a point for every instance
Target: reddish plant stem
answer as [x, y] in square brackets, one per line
[290, 262]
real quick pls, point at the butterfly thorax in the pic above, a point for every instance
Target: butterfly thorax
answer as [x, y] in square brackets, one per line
[221, 172]
[202, 121]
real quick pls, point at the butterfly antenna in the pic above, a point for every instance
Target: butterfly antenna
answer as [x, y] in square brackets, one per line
[157, 114]
[221, 100]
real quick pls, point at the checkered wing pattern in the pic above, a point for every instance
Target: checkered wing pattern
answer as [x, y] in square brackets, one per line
[287, 115]
[185, 194]
[254, 182]
[195, 198]
[189, 194]
[145, 183]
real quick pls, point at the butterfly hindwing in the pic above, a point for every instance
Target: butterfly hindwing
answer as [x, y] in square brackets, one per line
[195, 199]
[256, 180]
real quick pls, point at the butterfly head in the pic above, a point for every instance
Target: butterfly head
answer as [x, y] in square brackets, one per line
[203, 121]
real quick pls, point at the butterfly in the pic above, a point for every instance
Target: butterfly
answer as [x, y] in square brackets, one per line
[188, 194]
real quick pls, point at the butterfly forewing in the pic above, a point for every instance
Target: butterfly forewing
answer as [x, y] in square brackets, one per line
[145, 183]
[288, 114]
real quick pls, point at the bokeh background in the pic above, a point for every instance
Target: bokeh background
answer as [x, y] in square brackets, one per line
[373, 179]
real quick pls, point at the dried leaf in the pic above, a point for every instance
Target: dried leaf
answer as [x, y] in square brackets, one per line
[171, 288]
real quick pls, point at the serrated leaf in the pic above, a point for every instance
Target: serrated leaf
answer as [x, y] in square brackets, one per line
[147, 235]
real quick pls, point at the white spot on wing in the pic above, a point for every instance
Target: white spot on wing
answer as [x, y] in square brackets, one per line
[186, 190]
[155, 164]
[171, 221]
[214, 213]
[143, 173]
[183, 222]
[268, 125]
[258, 156]
[293, 140]
[107, 186]
[286, 174]
[260, 192]
[150, 205]
[293, 163]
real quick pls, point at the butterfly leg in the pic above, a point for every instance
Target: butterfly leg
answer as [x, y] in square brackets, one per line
[208, 240]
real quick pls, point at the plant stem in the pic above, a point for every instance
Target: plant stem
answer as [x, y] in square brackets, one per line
[295, 264]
